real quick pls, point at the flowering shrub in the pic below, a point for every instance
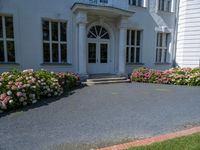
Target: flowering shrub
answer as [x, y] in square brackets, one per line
[68, 80]
[150, 76]
[177, 76]
[18, 89]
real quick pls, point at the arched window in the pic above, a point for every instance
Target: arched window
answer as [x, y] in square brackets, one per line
[98, 31]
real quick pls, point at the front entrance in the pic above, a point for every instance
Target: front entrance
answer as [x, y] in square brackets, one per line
[99, 51]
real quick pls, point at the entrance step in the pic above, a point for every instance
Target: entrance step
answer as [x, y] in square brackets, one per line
[106, 80]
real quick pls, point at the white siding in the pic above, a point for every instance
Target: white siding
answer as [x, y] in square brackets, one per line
[188, 40]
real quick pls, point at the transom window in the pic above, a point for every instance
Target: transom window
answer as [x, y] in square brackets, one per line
[165, 5]
[98, 32]
[136, 3]
[54, 41]
[162, 47]
[7, 46]
[133, 48]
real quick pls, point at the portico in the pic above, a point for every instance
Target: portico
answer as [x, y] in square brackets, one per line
[100, 50]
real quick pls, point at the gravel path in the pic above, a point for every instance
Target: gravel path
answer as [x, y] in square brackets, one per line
[101, 115]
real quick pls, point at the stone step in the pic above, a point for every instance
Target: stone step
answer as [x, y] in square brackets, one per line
[106, 79]
[90, 83]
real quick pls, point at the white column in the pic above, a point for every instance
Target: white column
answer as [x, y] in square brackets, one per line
[81, 19]
[145, 3]
[82, 48]
[157, 5]
[173, 5]
[122, 46]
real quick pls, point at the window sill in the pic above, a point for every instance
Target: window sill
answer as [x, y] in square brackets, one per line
[135, 64]
[56, 64]
[9, 64]
[162, 63]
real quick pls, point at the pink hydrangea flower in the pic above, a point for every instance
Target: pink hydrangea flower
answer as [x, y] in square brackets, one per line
[19, 94]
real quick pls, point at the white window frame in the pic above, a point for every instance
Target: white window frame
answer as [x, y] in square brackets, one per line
[5, 39]
[165, 3]
[137, 3]
[135, 46]
[59, 42]
[164, 47]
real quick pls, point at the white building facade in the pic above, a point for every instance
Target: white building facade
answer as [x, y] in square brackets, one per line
[95, 36]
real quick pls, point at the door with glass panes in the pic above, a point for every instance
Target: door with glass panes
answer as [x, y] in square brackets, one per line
[98, 53]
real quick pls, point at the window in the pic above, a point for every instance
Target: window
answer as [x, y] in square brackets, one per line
[93, 1]
[54, 41]
[98, 1]
[162, 47]
[136, 3]
[164, 5]
[133, 48]
[7, 45]
[104, 1]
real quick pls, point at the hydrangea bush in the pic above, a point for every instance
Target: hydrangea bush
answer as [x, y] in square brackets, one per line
[177, 76]
[19, 89]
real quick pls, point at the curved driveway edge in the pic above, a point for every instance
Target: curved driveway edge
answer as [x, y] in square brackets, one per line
[152, 140]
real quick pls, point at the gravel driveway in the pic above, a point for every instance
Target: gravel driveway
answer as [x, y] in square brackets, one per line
[101, 115]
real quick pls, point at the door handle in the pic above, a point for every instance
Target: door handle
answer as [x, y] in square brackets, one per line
[97, 60]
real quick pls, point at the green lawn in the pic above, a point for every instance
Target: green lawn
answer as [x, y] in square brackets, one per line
[184, 143]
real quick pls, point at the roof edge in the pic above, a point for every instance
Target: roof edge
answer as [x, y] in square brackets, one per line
[84, 6]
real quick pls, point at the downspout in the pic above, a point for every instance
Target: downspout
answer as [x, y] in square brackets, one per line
[176, 33]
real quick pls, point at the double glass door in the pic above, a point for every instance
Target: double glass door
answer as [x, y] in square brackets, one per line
[98, 57]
